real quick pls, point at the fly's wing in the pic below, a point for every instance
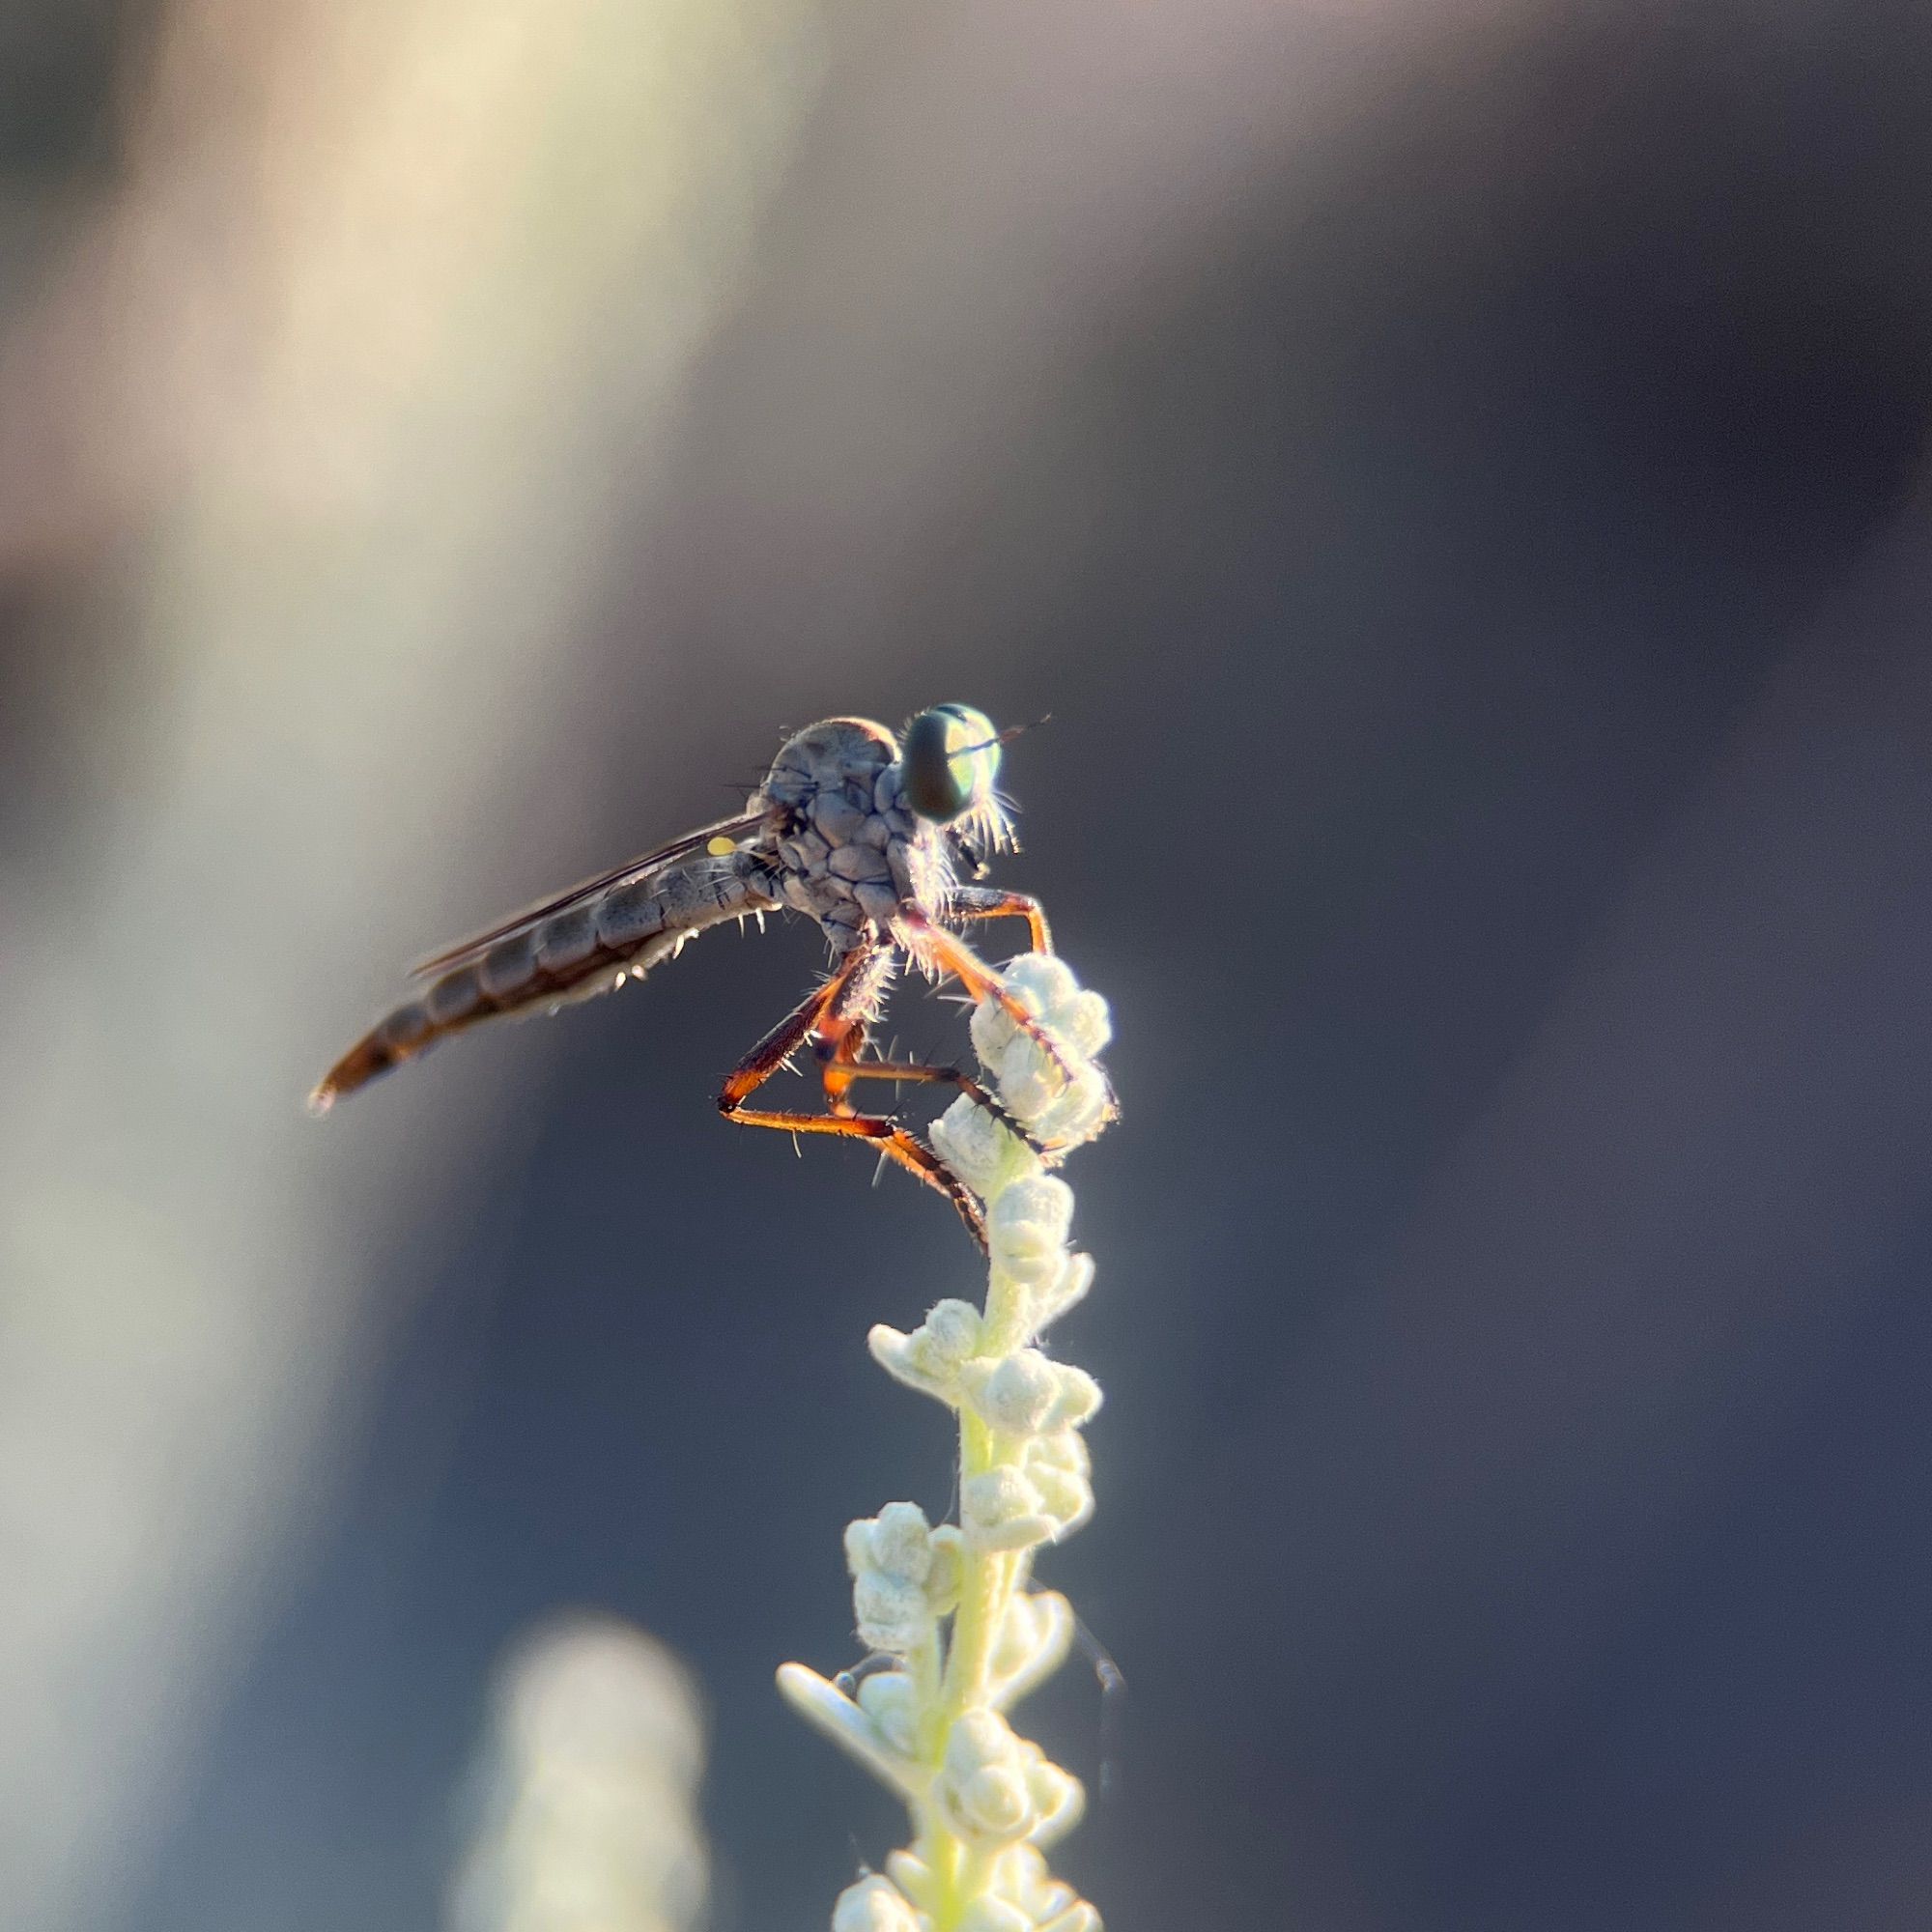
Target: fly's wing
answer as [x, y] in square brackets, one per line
[467, 949]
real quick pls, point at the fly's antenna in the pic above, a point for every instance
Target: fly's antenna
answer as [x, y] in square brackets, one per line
[1005, 737]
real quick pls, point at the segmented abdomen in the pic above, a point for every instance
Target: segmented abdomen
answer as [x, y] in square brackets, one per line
[573, 955]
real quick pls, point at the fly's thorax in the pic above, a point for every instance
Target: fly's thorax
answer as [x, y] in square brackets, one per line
[835, 754]
[852, 852]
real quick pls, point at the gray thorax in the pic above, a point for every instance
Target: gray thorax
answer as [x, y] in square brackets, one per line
[854, 852]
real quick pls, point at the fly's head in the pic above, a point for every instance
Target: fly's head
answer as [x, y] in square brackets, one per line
[949, 764]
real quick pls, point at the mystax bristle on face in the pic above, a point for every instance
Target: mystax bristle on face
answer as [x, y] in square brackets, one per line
[951, 758]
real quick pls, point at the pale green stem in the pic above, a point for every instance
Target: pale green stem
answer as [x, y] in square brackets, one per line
[966, 1684]
[990, 1577]
[952, 1706]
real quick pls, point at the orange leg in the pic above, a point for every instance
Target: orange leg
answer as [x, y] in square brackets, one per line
[838, 1077]
[791, 1033]
[966, 902]
[890, 1139]
[942, 952]
[833, 1018]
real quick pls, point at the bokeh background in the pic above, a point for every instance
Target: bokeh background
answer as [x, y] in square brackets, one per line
[1454, 475]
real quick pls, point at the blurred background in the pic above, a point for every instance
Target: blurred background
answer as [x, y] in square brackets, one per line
[1454, 477]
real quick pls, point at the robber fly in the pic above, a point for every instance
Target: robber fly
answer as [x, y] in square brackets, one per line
[881, 840]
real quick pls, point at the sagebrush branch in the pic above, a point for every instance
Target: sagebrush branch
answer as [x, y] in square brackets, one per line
[953, 1606]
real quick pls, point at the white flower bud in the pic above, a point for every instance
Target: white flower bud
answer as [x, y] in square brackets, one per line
[913, 1876]
[1079, 1917]
[1078, 1396]
[1061, 1451]
[1041, 1206]
[928, 1359]
[1027, 1264]
[889, 1614]
[1078, 1020]
[1059, 1092]
[953, 1329]
[859, 1544]
[1077, 1111]
[1020, 1873]
[891, 1700]
[1019, 1634]
[1042, 982]
[891, 1557]
[1069, 1500]
[1020, 1877]
[1027, 1395]
[842, 1719]
[906, 1361]
[982, 1787]
[996, 1496]
[901, 1541]
[1057, 1473]
[1033, 1637]
[1016, 1396]
[1028, 1081]
[1087, 1023]
[979, 1148]
[1000, 1510]
[1025, 1229]
[993, 1029]
[994, 1914]
[1020, 1532]
[992, 1803]
[1076, 1277]
[1056, 1798]
[875, 1905]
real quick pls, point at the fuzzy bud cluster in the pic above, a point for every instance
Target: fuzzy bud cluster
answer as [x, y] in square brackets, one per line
[905, 1577]
[953, 1606]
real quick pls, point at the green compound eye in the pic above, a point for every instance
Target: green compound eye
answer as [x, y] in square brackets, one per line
[951, 759]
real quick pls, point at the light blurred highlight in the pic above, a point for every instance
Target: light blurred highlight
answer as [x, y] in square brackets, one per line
[383, 297]
[586, 1790]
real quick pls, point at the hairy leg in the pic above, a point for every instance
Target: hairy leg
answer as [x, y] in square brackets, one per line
[943, 952]
[834, 1018]
[969, 902]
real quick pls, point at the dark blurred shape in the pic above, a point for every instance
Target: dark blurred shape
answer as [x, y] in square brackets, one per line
[57, 72]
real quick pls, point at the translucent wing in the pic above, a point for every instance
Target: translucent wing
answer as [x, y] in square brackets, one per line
[733, 829]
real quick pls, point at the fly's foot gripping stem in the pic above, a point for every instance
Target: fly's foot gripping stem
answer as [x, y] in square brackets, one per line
[946, 955]
[1046, 1091]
